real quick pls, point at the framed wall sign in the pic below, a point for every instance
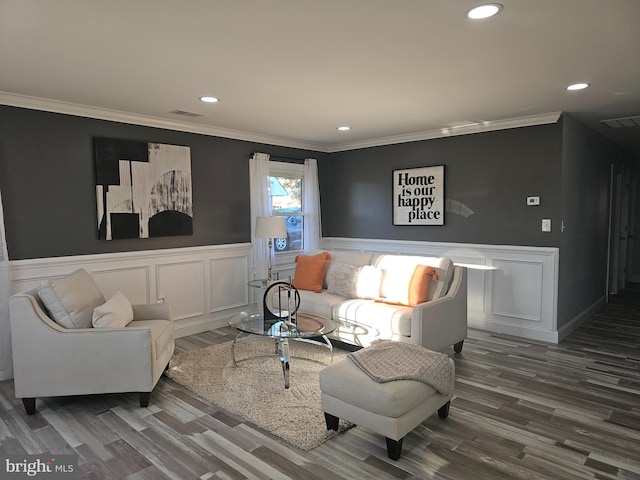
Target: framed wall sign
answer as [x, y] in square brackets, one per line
[418, 196]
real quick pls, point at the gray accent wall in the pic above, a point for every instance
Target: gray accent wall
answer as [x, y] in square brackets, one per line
[47, 179]
[488, 177]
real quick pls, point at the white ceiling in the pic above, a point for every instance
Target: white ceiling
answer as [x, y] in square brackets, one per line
[290, 71]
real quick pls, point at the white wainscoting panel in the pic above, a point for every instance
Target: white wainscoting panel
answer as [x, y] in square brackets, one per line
[204, 285]
[517, 289]
[182, 285]
[511, 289]
[133, 280]
[229, 277]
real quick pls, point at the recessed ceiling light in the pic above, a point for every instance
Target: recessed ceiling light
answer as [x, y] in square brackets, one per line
[344, 128]
[484, 11]
[209, 99]
[578, 86]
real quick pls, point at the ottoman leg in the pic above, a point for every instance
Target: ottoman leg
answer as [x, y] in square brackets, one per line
[29, 405]
[394, 448]
[443, 411]
[331, 421]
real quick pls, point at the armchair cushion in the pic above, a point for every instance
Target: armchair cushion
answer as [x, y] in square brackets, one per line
[114, 313]
[71, 300]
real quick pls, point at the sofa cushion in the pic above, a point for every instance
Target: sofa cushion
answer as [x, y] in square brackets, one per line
[398, 269]
[114, 313]
[70, 300]
[403, 288]
[310, 271]
[319, 303]
[358, 259]
[389, 320]
[351, 281]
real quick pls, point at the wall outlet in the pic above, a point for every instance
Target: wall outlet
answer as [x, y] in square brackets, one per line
[546, 224]
[533, 200]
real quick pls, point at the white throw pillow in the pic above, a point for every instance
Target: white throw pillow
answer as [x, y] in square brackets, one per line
[70, 300]
[351, 281]
[369, 280]
[342, 279]
[115, 313]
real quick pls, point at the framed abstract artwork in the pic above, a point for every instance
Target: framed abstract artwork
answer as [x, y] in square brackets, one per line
[418, 196]
[143, 189]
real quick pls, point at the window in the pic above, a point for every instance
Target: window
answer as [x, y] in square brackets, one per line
[286, 201]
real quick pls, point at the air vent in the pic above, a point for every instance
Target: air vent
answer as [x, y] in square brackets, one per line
[182, 113]
[622, 122]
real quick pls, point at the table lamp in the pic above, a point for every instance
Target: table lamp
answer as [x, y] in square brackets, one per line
[271, 227]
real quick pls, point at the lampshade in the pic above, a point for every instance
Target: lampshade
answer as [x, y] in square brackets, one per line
[271, 227]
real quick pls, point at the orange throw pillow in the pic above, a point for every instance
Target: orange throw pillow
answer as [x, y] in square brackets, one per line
[419, 284]
[310, 270]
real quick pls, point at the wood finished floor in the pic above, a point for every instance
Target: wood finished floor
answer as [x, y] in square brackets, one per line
[522, 410]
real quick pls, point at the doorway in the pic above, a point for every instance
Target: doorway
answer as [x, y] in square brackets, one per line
[619, 215]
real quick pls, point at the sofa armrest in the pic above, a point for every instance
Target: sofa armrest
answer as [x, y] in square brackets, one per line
[442, 322]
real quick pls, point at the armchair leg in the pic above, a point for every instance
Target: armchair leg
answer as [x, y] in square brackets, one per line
[29, 405]
[144, 399]
[331, 421]
[394, 448]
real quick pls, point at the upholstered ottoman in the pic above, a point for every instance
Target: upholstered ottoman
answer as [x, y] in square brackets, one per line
[360, 389]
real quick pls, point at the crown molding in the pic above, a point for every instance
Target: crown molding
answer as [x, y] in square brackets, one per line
[527, 121]
[56, 106]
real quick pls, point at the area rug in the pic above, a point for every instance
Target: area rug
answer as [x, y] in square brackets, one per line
[255, 389]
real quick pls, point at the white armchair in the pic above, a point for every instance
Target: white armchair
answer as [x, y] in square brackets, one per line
[51, 360]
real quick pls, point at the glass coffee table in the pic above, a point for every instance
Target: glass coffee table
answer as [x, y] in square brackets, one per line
[252, 327]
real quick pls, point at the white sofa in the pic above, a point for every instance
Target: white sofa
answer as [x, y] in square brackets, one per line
[436, 324]
[57, 350]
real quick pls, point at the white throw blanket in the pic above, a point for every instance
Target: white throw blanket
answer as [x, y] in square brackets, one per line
[387, 360]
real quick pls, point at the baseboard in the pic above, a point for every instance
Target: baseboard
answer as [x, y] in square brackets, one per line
[197, 325]
[204, 323]
[513, 330]
[579, 319]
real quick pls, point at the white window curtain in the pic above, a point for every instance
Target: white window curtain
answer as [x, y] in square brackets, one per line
[311, 202]
[260, 191]
[6, 359]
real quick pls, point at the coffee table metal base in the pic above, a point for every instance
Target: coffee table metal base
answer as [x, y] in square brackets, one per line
[281, 351]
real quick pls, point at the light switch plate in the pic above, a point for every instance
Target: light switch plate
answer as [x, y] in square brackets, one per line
[546, 224]
[533, 200]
